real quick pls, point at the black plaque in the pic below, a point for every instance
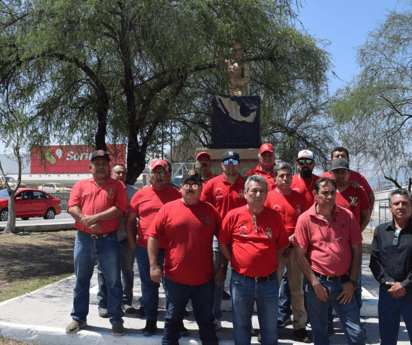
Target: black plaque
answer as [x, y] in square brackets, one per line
[235, 122]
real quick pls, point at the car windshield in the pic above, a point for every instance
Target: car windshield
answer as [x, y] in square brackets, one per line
[10, 179]
[4, 194]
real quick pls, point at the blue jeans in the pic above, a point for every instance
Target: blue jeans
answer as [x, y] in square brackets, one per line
[107, 252]
[284, 298]
[202, 300]
[318, 314]
[244, 293]
[390, 311]
[217, 298]
[126, 267]
[150, 289]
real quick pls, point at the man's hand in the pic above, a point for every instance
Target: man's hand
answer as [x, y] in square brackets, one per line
[321, 292]
[96, 227]
[396, 290]
[88, 221]
[355, 185]
[220, 275]
[156, 274]
[347, 293]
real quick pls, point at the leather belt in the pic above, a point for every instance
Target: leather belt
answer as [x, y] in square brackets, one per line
[98, 236]
[342, 278]
[261, 279]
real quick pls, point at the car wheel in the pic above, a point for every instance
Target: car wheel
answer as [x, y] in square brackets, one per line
[24, 218]
[50, 213]
[4, 215]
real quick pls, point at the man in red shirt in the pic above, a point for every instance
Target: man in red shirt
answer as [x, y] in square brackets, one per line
[353, 199]
[203, 166]
[96, 204]
[187, 227]
[144, 205]
[290, 205]
[265, 167]
[327, 249]
[341, 152]
[304, 182]
[225, 192]
[251, 238]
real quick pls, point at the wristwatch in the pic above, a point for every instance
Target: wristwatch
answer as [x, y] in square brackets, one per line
[353, 282]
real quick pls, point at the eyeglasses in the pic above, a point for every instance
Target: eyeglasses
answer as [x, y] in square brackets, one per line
[230, 160]
[305, 161]
[188, 185]
[255, 227]
[396, 239]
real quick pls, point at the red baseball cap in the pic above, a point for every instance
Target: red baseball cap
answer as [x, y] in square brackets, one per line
[266, 148]
[200, 154]
[158, 163]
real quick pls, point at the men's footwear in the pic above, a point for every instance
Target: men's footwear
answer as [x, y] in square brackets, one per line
[128, 309]
[330, 328]
[283, 322]
[103, 313]
[183, 332]
[75, 326]
[218, 324]
[150, 328]
[302, 335]
[226, 296]
[118, 330]
[252, 331]
[140, 312]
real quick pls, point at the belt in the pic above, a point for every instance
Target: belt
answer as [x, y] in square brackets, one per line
[261, 279]
[342, 278]
[98, 236]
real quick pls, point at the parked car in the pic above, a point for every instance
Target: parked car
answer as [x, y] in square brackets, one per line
[54, 188]
[30, 203]
[11, 181]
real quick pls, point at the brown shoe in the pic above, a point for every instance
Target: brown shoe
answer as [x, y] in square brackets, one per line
[75, 326]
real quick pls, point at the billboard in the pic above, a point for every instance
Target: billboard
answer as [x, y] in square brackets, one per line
[70, 159]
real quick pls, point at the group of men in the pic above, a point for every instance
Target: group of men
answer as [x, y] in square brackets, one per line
[300, 232]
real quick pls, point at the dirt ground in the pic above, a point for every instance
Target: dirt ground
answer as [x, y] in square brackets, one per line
[40, 255]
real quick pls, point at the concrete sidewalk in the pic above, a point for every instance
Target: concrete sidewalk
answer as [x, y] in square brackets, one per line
[40, 317]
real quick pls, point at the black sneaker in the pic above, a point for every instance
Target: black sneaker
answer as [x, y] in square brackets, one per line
[128, 309]
[302, 335]
[118, 330]
[283, 322]
[150, 328]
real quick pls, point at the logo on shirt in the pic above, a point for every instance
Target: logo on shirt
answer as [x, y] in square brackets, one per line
[219, 193]
[277, 208]
[268, 233]
[298, 209]
[241, 193]
[110, 193]
[208, 221]
[243, 230]
[353, 200]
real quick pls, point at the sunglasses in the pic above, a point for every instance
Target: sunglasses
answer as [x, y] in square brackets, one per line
[305, 161]
[230, 160]
[396, 239]
[188, 185]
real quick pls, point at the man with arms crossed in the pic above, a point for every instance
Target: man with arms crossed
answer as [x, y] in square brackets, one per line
[327, 248]
[187, 227]
[391, 265]
[96, 205]
[251, 237]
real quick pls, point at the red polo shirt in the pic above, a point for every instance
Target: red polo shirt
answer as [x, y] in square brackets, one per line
[187, 231]
[92, 199]
[353, 199]
[253, 254]
[223, 195]
[328, 246]
[270, 178]
[305, 186]
[146, 203]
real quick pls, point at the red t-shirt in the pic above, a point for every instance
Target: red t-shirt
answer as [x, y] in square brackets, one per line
[188, 232]
[290, 207]
[355, 177]
[146, 203]
[353, 199]
[253, 254]
[305, 186]
[326, 253]
[224, 196]
[270, 178]
[92, 199]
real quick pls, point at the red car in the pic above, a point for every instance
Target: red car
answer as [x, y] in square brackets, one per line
[30, 203]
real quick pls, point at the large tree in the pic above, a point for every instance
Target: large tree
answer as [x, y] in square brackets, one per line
[102, 70]
[374, 110]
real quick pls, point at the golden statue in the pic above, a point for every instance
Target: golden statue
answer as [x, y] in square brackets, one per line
[238, 69]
